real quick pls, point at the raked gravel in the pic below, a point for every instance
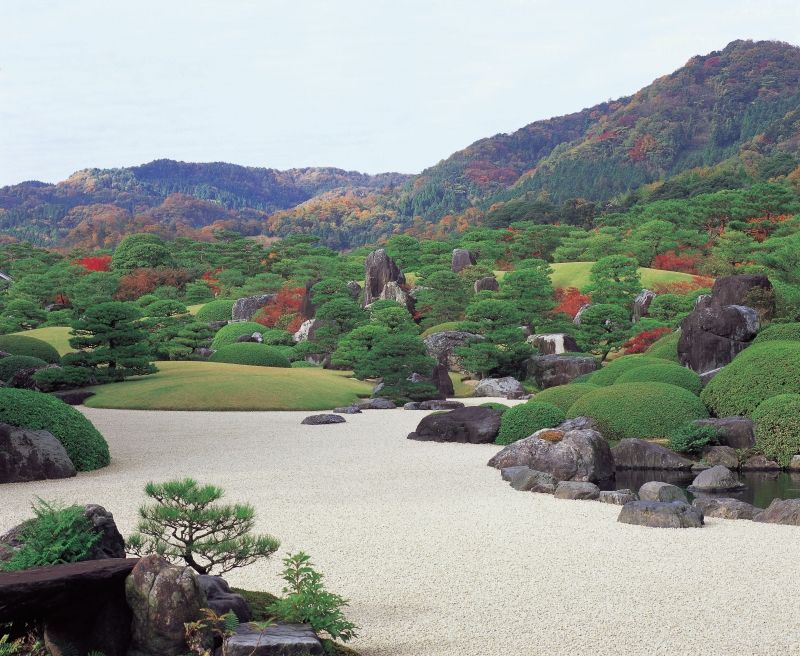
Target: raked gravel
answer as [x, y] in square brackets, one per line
[438, 556]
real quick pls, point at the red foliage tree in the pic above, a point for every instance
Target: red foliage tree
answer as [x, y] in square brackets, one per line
[143, 281]
[672, 261]
[569, 300]
[644, 340]
[284, 310]
[95, 262]
[683, 286]
[213, 282]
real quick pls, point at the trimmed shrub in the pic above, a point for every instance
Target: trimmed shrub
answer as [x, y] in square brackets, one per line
[523, 420]
[273, 337]
[583, 378]
[692, 438]
[779, 332]
[13, 363]
[755, 375]
[645, 410]
[302, 364]
[231, 332]
[30, 346]
[441, 327]
[85, 446]
[665, 348]
[250, 353]
[500, 407]
[563, 396]
[668, 372]
[219, 310]
[608, 375]
[777, 426]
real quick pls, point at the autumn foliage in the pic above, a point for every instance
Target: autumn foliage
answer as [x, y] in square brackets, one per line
[143, 281]
[284, 310]
[95, 262]
[644, 340]
[683, 286]
[672, 261]
[569, 300]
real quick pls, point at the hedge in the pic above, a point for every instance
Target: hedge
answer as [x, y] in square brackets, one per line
[779, 332]
[13, 363]
[85, 446]
[777, 427]
[30, 346]
[758, 373]
[523, 420]
[614, 369]
[668, 372]
[219, 310]
[563, 396]
[251, 353]
[229, 333]
[665, 348]
[645, 410]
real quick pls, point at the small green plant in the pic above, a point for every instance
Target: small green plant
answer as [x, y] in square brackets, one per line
[202, 634]
[186, 524]
[9, 648]
[691, 438]
[54, 536]
[308, 602]
[525, 419]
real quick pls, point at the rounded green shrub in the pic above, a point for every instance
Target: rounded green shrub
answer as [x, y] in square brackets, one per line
[229, 333]
[13, 363]
[30, 346]
[645, 410]
[440, 327]
[250, 353]
[779, 332]
[563, 396]
[608, 375]
[85, 446]
[302, 364]
[493, 405]
[523, 420]
[665, 348]
[219, 310]
[758, 373]
[691, 438]
[668, 372]
[777, 427]
[276, 337]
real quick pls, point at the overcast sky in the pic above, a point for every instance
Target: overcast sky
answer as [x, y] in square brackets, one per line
[371, 85]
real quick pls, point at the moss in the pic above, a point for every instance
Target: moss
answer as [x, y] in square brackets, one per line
[251, 353]
[231, 332]
[525, 419]
[500, 407]
[613, 370]
[30, 346]
[668, 372]
[219, 310]
[259, 603]
[563, 396]
[777, 427]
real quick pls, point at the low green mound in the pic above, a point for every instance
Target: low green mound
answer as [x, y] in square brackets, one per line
[779, 332]
[608, 375]
[440, 328]
[219, 310]
[777, 426]
[231, 332]
[34, 348]
[755, 375]
[85, 446]
[252, 354]
[563, 396]
[645, 410]
[665, 348]
[493, 405]
[667, 372]
[13, 363]
[523, 420]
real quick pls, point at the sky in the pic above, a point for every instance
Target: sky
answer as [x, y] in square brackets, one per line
[369, 85]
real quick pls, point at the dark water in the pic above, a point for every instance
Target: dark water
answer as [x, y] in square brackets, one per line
[762, 487]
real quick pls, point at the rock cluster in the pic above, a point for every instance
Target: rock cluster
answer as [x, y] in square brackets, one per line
[552, 370]
[379, 270]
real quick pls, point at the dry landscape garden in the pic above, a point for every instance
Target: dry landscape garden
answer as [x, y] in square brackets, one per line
[497, 408]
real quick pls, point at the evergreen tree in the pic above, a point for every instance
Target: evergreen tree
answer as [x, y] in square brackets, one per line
[614, 279]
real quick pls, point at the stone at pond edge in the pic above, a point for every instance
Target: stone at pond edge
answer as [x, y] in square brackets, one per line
[473, 425]
[320, 420]
[30, 455]
[735, 432]
[275, 640]
[222, 600]
[617, 497]
[577, 490]
[640, 454]
[658, 491]
[759, 463]
[715, 480]
[660, 514]
[725, 508]
[721, 455]
[780, 511]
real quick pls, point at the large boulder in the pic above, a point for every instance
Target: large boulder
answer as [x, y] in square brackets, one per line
[499, 387]
[526, 479]
[752, 290]
[715, 480]
[759, 463]
[442, 346]
[567, 455]
[245, 308]
[617, 497]
[487, 284]
[658, 491]
[554, 343]
[394, 292]
[273, 640]
[553, 370]
[781, 511]
[31, 455]
[162, 598]
[222, 600]
[721, 455]
[380, 269]
[641, 454]
[735, 432]
[641, 304]
[306, 331]
[725, 508]
[660, 514]
[111, 543]
[474, 425]
[577, 490]
[462, 259]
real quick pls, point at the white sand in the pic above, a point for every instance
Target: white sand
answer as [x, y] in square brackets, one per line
[439, 556]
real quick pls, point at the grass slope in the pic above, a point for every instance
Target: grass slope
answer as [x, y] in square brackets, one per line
[218, 386]
[576, 274]
[56, 336]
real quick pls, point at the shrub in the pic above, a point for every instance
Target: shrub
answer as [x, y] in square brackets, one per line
[668, 372]
[274, 337]
[777, 427]
[779, 332]
[525, 419]
[614, 369]
[85, 446]
[756, 374]
[229, 333]
[302, 364]
[441, 327]
[665, 348]
[563, 396]
[493, 405]
[219, 310]
[691, 438]
[644, 340]
[646, 410]
[13, 363]
[61, 378]
[252, 354]
[30, 346]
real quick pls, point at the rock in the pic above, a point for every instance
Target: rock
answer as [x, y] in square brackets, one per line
[754, 291]
[29, 455]
[581, 455]
[473, 425]
[487, 284]
[255, 338]
[552, 370]
[306, 331]
[203, 352]
[578, 423]
[735, 432]
[220, 598]
[435, 404]
[347, 410]
[377, 403]
[245, 308]
[519, 396]
[379, 270]
[759, 463]
[73, 397]
[617, 497]
[794, 464]
[781, 511]
[162, 598]
[462, 259]
[509, 472]
[111, 543]
[554, 343]
[440, 377]
[275, 640]
[577, 490]
[394, 292]
[659, 514]
[530, 480]
[216, 325]
[715, 480]
[354, 289]
[658, 491]
[320, 420]
[641, 304]
[441, 346]
[721, 455]
[700, 466]
[579, 313]
[641, 454]
[725, 508]
[499, 387]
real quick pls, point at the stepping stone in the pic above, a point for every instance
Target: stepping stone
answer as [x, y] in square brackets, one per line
[276, 640]
[319, 420]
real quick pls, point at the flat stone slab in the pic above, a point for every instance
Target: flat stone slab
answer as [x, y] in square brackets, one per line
[321, 420]
[378, 403]
[577, 490]
[347, 410]
[725, 508]
[276, 640]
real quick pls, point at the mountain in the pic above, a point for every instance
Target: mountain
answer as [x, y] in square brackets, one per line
[723, 120]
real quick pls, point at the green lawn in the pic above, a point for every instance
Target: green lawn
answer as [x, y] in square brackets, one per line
[56, 336]
[194, 309]
[218, 386]
[576, 274]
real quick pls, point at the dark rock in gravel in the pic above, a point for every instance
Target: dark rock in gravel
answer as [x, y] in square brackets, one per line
[509, 472]
[577, 490]
[348, 410]
[29, 455]
[377, 403]
[725, 508]
[659, 514]
[781, 511]
[617, 497]
[472, 424]
[641, 454]
[321, 420]
[658, 491]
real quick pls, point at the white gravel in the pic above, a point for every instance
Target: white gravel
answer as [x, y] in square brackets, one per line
[439, 556]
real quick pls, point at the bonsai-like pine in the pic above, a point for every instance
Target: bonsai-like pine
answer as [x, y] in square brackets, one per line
[186, 524]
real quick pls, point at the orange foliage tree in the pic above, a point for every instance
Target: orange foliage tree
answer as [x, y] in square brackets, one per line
[284, 310]
[672, 261]
[569, 300]
[95, 262]
[644, 340]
